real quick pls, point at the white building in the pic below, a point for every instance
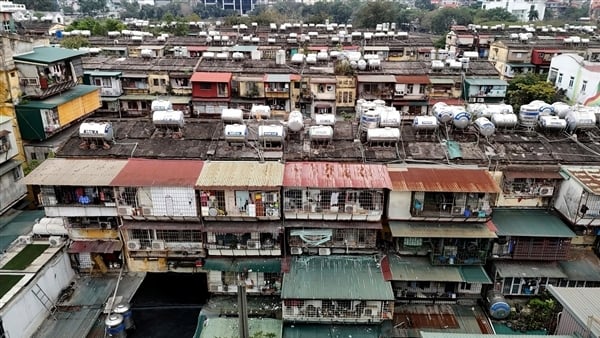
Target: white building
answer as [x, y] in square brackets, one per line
[11, 171]
[518, 8]
[580, 316]
[579, 78]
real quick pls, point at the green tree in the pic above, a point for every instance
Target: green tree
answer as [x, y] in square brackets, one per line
[92, 7]
[372, 13]
[425, 5]
[439, 21]
[527, 87]
[39, 5]
[494, 15]
[74, 42]
[533, 14]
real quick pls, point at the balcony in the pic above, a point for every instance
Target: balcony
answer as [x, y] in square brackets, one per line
[43, 87]
[333, 205]
[327, 311]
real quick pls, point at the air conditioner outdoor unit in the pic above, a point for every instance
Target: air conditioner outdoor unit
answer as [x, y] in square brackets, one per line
[399, 93]
[296, 250]
[134, 244]
[324, 251]
[158, 245]
[25, 240]
[147, 211]
[105, 225]
[253, 244]
[125, 211]
[55, 241]
[546, 191]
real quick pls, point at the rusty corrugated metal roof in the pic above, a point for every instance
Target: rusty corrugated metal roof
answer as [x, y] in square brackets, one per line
[211, 77]
[420, 79]
[75, 172]
[589, 178]
[442, 180]
[166, 173]
[336, 175]
[240, 174]
[95, 246]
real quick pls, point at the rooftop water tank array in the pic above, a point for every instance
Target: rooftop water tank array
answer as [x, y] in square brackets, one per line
[550, 122]
[581, 118]
[528, 113]
[425, 123]
[320, 133]
[236, 133]
[383, 135]
[168, 118]
[232, 115]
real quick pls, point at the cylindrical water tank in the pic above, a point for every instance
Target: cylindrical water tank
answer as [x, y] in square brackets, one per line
[96, 130]
[320, 133]
[50, 226]
[271, 133]
[549, 122]
[236, 132]
[478, 110]
[295, 121]
[125, 310]
[232, 115]
[390, 117]
[260, 111]
[379, 103]
[115, 326]
[504, 120]
[383, 135]
[581, 119]
[461, 118]
[325, 119]
[485, 126]
[158, 105]
[528, 115]
[442, 112]
[425, 122]
[168, 118]
[497, 306]
[561, 109]
[369, 119]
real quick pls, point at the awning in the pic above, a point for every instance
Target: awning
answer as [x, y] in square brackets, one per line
[475, 274]
[376, 78]
[440, 230]
[95, 246]
[419, 269]
[109, 99]
[323, 80]
[546, 175]
[161, 226]
[134, 76]
[330, 224]
[530, 223]
[529, 270]
[322, 105]
[243, 227]
[243, 264]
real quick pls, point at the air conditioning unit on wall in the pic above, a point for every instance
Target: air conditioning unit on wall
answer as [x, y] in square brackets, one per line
[134, 245]
[55, 241]
[296, 250]
[546, 191]
[253, 244]
[158, 245]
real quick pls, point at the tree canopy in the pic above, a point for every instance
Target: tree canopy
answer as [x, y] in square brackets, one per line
[39, 5]
[524, 88]
[97, 27]
[74, 42]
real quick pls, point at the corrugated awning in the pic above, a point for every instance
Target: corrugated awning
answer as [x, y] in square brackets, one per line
[336, 175]
[418, 79]
[134, 76]
[75, 172]
[376, 78]
[323, 80]
[240, 174]
[530, 223]
[442, 180]
[529, 269]
[161, 226]
[147, 172]
[242, 227]
[547, 175]
[440, 230]
[474, 274]
[210, 77]
[272, 265]
[331, 225]
[419, 269]
[95, 246]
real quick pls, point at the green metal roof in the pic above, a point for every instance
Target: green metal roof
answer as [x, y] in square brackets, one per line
[474, 274]
[486, 82]
[330, 331]
[47, 55]
[229, 327]
[581, 270]
[441, 81]
[335, 277]
[243, 264]
[529, 223]
[102, 73]
[61, 98]
[411, 268]
[243, 48]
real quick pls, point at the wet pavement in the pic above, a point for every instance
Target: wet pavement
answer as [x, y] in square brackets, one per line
[168, 304]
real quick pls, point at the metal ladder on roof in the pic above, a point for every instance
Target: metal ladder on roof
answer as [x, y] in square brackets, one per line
[44, 299]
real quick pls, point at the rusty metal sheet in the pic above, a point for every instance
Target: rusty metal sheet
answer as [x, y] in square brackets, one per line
[95, 246]
[442, 180]
[336, 175]
[165, 173]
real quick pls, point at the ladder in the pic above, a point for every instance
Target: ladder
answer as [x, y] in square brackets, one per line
[44, 299]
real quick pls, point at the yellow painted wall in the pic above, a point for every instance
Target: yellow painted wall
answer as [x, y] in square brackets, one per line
[82, 233]
[146, 265]
[162, 89]
[79, 107]
[11, 91]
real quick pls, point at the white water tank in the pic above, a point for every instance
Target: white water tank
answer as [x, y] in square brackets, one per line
[295, 121]
[528, 114]
[298, 58]
[238, 56]
[280, 58]
[369, 119]
[236, 133]
[504, 120]
[208, 55]
[168, 118]
[425, 122]
[260, 111]
[271, 133]
[159, 105]
[390, 117]
[379, 103]
[485, 126]
[479, 110]
[561, 109]
[311, 59]
[232, 115]
[96, 130]
[581, 118]
[320, 133]
[325, 119]
[50, 226]
[383, 135]
[549, 122]
[361, 64]
[442, 112]
[460, 117]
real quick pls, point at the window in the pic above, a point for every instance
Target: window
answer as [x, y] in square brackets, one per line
[571, 82]
[155, 82]
[410, 88]
[422, 89]
[33, 156]
[583, 86]
[205, 85]
[17, 174]
[132, 105]
[560, 75]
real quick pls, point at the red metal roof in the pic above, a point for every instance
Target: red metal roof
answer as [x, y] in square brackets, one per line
[211, 77]
[336, 175]
[420, 79]
[166, 173]
[442, 180]
[95, 246]
[197, 48]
